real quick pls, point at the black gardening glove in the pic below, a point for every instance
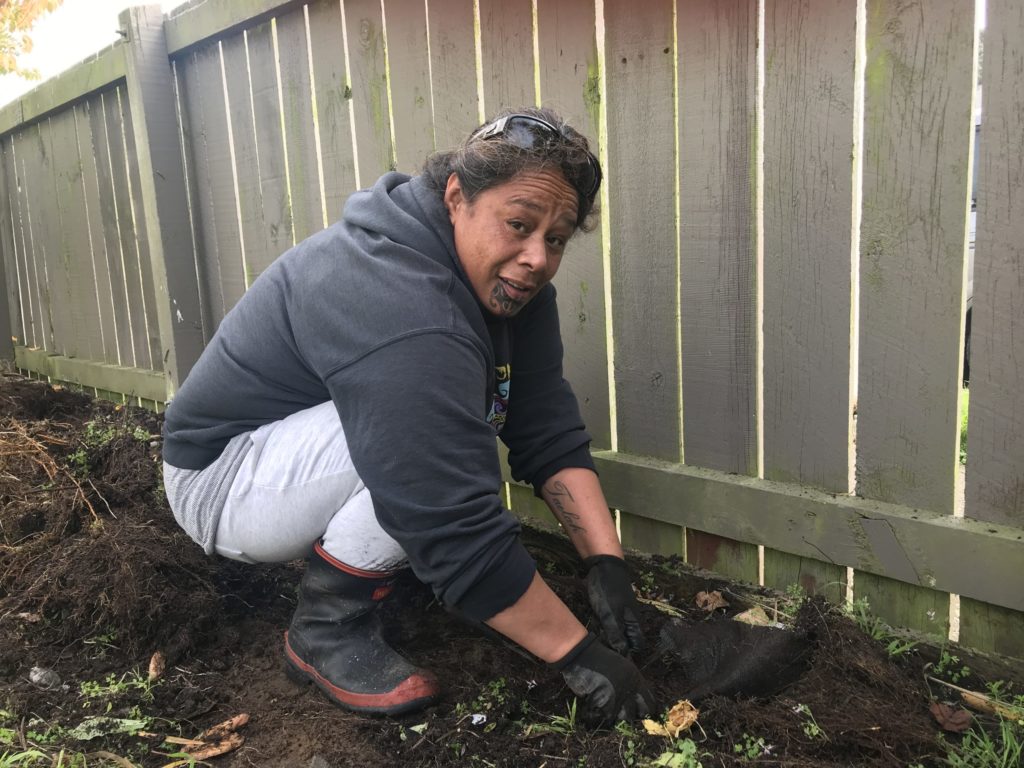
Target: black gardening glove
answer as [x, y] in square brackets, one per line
[611, 597]
[609, 685]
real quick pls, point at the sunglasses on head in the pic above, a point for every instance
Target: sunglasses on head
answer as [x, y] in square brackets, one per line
[527, 139]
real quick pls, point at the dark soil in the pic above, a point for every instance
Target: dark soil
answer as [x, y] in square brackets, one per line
[95, 577]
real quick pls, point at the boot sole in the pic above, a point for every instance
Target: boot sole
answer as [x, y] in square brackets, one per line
[302, 674]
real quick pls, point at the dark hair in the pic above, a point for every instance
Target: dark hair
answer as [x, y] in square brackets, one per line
[484, 163]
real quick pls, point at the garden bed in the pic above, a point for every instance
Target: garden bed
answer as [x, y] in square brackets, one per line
[96, 578]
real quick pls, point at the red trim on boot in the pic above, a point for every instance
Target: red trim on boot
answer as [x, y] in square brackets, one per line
[417, 690]
[325, 555]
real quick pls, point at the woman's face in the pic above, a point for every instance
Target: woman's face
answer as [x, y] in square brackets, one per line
[510, 239]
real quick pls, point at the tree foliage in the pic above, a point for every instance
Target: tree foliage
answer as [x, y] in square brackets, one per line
[16, 20]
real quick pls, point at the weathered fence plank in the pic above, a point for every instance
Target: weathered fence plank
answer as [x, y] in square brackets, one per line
[570, 84]
[453, 71]
[409, 81]
[918, 123]
[203, 90]
[73, 282]
[717, 89]
[131, 274]
[37, 157]
[256, 255]
[647, 535]
[36, 325]
[641, 178]
[14, 296]
[995, 449]
[333, 96]
[10, 308]
[304, 174]
[808, 204]
[904, 605]
[278, 228]
[102, 146]
[374, 143]
[200, 23]
[89, 155]
[995, 453]
[506, 43]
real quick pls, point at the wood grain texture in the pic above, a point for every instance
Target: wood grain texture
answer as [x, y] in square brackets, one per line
[225, 275]
[35, 327]
[506, 42]
[989, 627]
[131, 274]
[653, 536]
[303, 163]
[37, 156]
[641, 178]
[111, 234]
[10, 306]
[97, 242]
[333, 97]
[717, 233]
[814, 577]
[916, 137]
[14, 280]
[374, 143]
[139, 207]
[74, 282]
[453, 70]
[729, 557]
[808, 200]
[570, 84]
[278, 228]
[409, 68]
[995, 450]
[904, 605]
[256, 255]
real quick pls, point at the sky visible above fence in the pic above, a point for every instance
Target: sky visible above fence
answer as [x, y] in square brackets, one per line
[77, 29]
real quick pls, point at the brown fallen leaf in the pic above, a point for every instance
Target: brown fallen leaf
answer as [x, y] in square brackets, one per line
[222, 730]
[678, 719]
[754, 616]
[711, 601]
[228, 744]
[157, 665]
[950, 718]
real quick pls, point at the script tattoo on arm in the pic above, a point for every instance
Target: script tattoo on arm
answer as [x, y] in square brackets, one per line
[558, 497]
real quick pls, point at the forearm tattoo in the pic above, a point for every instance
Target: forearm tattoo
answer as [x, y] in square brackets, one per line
[558, 497]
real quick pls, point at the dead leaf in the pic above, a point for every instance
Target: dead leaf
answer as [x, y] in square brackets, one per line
[157, 665]
[680, 718]
[755, 616]
[950, 718]
[711, 601]
[221, 730]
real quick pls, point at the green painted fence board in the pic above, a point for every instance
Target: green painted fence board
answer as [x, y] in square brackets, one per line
[990, 627]
[735, 559]
[526, 505]
[136, 382]
[647, 535]
[904, 605]
[872, 536]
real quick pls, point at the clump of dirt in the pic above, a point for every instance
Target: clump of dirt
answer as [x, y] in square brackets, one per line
[95, 577]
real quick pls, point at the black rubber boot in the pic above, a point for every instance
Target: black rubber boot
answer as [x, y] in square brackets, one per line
[335, 642]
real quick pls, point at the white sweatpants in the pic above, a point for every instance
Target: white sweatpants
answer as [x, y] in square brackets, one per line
[296, 485]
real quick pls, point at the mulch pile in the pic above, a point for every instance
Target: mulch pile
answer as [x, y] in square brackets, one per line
[95, 577]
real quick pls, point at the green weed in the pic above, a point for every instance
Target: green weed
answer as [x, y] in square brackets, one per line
[950, 668]
[895, 645]
[751, 748]
[683, 753]
[114, 686]
[810, 726]
[980, 749]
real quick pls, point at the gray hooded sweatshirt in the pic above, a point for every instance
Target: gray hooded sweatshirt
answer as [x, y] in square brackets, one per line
[376, 314]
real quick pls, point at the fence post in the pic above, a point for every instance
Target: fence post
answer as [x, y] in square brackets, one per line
[163, 192]
[6, 342]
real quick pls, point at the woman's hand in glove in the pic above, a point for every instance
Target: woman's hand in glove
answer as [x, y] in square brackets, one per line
[611, 597]
[609, 685]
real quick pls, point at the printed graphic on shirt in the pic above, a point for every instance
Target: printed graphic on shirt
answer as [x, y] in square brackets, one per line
[499, 408]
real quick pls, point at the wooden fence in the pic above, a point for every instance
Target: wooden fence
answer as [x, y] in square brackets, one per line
[766, 333]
